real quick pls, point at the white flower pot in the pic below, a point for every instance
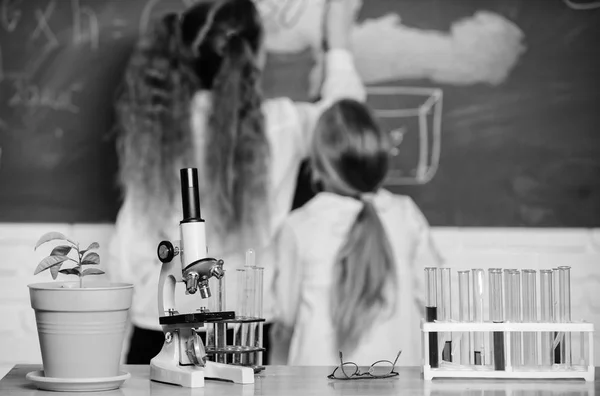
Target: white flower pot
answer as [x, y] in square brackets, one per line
[81, 330]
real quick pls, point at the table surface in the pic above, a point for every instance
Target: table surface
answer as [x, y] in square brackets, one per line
[307, 381]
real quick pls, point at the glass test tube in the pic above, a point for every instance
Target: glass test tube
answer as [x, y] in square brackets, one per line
[497, 316]
[556, 314]
[257, 327]
[512, 298]
[478, 338]
[546, 316]
[245, 305]
[529, 315]
[445, 306]
[216, 334]
[431, 313]
[564, 284]
[464, 315]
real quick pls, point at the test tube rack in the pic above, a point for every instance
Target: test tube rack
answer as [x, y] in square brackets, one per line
[556, 371]
[229, 352]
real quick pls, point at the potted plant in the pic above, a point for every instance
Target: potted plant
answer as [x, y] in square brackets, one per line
[81, 324]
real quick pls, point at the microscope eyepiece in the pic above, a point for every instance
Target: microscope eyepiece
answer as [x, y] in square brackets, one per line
[190, 195]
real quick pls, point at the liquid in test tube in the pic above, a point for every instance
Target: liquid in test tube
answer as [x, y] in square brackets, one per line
[546, 316]
[497, 316]
[478, 295]
[431, 313]
[446, 310]
[556, 312]
[464, 315]
[564, 286]
[529, 316]
[512, 295]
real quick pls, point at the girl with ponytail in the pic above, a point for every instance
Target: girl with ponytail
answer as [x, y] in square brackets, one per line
[191, 97]
[349, 262]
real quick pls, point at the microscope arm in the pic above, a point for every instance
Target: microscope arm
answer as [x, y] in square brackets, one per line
[170, 274]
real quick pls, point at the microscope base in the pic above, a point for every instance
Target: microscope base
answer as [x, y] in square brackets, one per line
[228, 372]
[193, 376]
[165, 367]
[186, 376]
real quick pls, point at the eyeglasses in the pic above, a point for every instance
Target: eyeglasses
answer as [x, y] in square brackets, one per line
[350, 371]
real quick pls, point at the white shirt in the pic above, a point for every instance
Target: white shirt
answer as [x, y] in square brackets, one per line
[289, 126]
[304, 253]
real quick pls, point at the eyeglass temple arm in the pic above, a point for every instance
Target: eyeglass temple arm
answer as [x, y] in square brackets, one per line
[397, 356]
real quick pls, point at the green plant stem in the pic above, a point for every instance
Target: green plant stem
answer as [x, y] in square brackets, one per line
[79, 257]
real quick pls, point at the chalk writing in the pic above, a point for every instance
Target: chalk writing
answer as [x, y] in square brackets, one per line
[92, 33]
[30, 95]
[282, 14]
[427, 119]
[10, 16]
[43, 26]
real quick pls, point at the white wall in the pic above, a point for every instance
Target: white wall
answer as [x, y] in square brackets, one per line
[463, 248]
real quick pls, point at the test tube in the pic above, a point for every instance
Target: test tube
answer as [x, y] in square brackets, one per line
[546, 316]
[431, 313]
[497, 316]
[556, 314]
[257, 327]
[464, 315]
[564, 274]
[446, 310]
[478, 294]
[512, 295]
[529, 315]
[216, 333]
[242, 337]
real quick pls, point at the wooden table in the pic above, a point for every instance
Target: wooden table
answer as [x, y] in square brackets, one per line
[309, 381]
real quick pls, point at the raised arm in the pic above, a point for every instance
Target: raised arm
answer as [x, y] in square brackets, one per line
[341, 79]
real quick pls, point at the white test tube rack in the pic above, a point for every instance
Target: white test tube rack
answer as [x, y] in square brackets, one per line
[556, 371]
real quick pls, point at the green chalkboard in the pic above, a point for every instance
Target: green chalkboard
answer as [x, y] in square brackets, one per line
[523, 152]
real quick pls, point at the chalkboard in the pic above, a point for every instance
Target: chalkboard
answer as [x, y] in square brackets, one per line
[523, 152]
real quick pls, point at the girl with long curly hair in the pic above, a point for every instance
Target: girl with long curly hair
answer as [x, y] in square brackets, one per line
[348, 264]
[191, 97]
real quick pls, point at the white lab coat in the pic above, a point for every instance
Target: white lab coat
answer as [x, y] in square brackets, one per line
[289, 127]
[303, 255]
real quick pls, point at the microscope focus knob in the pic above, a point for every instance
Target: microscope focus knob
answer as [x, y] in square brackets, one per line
[166, 251]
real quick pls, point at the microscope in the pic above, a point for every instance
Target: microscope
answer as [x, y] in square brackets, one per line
[183, 359]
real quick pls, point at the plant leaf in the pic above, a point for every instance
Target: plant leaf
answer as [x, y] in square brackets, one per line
[93, 245]
[91, 258]
[51, 236]
[70, 271]
[61, 250]
[49, 262]
[55, 269]
[92, 271]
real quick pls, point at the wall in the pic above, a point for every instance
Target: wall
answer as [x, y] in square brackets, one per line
[462, 248]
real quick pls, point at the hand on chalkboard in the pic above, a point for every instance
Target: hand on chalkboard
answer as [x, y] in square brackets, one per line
[340, 16]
